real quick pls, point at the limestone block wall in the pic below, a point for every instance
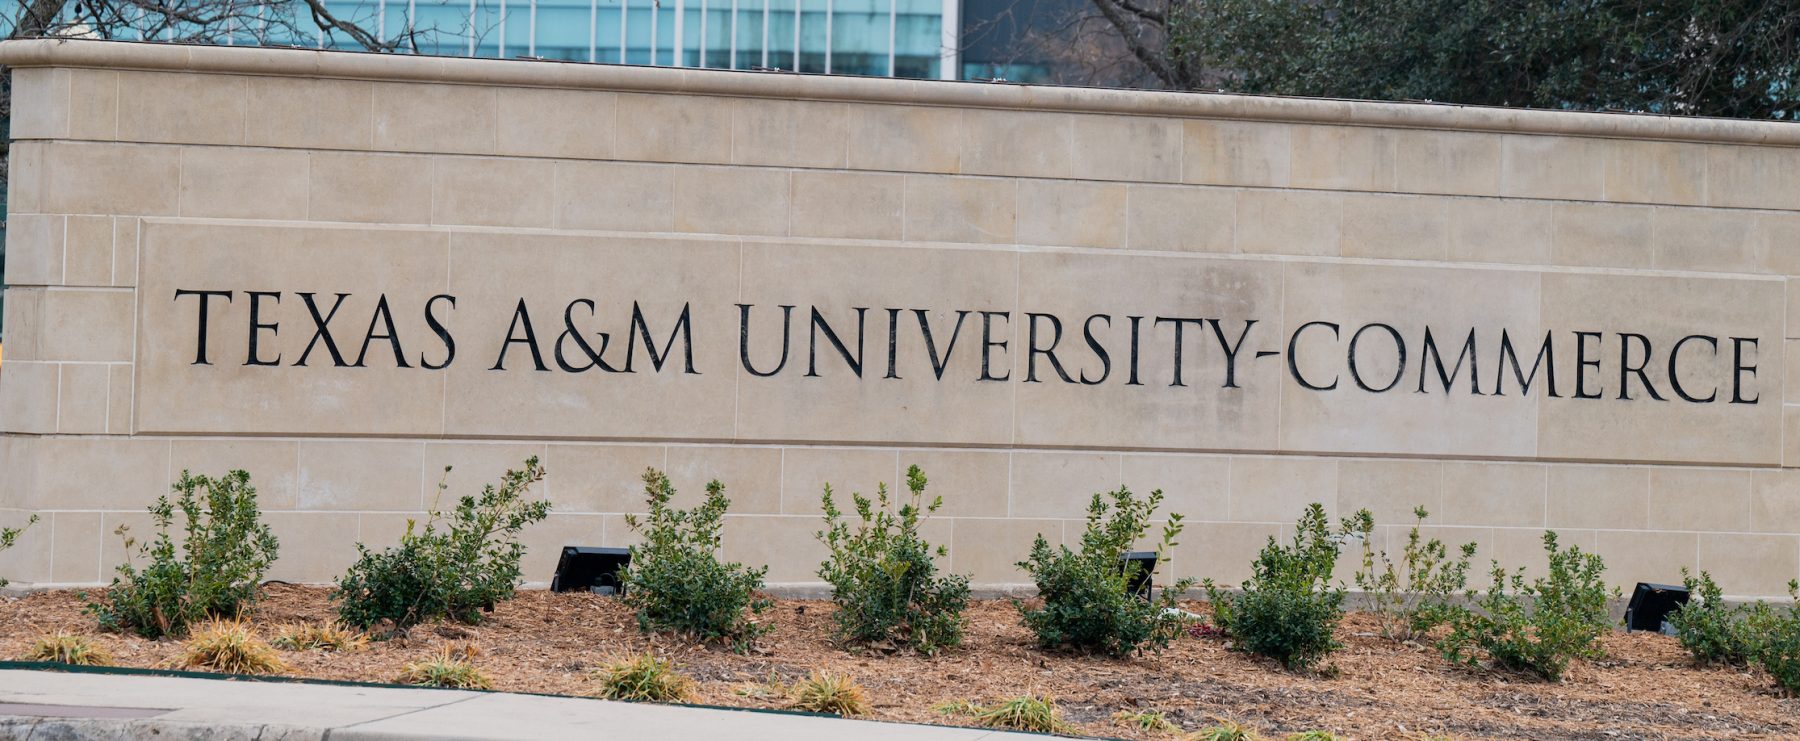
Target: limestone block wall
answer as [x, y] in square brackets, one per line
[1519, 319]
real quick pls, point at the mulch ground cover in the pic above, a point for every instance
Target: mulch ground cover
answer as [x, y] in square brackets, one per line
[1375, 689]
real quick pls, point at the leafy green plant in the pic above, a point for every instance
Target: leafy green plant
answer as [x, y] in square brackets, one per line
[1224, 729]
[331, 636]
[829, 692]
[455, 567]
[1027, 713]
[1288, 609]
[1314, 736]
[1149, 721]
[1087, 599]
[882, 576]
[676, 581]
[1537, 626]
[643, 678]
[446, 669]
[230, 646]
[1416, 595]
[213, 572]
[1712, 631]
[63, 647]
[10, 535]
[1777, 650]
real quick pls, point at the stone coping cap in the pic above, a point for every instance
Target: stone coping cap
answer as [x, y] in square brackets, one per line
[294, 62]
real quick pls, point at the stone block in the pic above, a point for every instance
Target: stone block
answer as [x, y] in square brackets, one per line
[82, 402]
[1713, 240]
[731, 200]
[1566, 168]
[1060, 485]
[93, 325]
[28, 397]
[1602, 235]
[673, 128]
[989, 549]
[973, 483]
[435, 118]
[1289, 222]
[784, 543]
[805, 471]
[1699, 499]
[1071, 213]
[273, 466]
[1775, 501]
[1391, 490]
[572, 124]
[1278, 489]
[1198, 487]
[1499, 230]
[484, 191]
[106, 178]
[1395, 226]
[956, 209]
[1129, 148]
[615, 196]
[119, 401]
[606, 478]
[34, 249]
[93, 473]
[1463, 163]
[752, 475]
[1656, 172]
[848, 205]
[88, 251]
[339, 476]
[310, 113]
[320, 535]
[385, 189]
[1756, 566]
[1342, 158]
[1494, 494]
[244, 183]
[789, 133]
[1181, 218]
[177, 108]
[1247, 153]
[1648, 556]
[75, 547]
[1028, 144]
[905, 138]
[1740, 176]
[1598, 497]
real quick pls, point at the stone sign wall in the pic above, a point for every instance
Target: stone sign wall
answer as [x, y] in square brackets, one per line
[345, 272]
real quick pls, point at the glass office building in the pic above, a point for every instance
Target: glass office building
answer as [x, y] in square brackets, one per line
[897, 38]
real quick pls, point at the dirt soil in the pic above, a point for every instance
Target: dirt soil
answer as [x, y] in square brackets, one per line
[1379, 689]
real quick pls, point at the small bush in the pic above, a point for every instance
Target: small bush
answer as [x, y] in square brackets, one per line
[827, 692]
[676, 582]
[1712, 631]
[882, 577]
[456, 567]
[67, 648]
[643, 678]
[1028, 713]
[1777, 650]
[212, 573]
[331, 636]
[1226, 730]
[446, 669]
[1417, 595]
[1087, 599]
[1149, 721]
[1538, 626]
[230, 646]
[10, 535]
[1314, 736]
[1288, 609]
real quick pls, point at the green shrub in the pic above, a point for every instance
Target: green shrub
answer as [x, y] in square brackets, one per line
[643, 678]
[882, 577]
[213, 572]
[1712, 631]
[1288, 609]
[1777, 646]
[1148, 721]
[676, 582]
[10, 535]
[1087, 599]
[1226, 730]
[456, 567]
[1418, 594]
[332, 636]
[1537, 626]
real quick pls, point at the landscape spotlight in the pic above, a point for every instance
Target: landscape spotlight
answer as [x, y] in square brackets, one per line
[1140, 579]
[1651, 604]
[591, 569]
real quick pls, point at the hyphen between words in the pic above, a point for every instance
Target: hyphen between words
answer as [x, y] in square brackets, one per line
[1373, 357]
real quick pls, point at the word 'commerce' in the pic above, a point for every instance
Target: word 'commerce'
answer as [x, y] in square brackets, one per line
[1374, 357]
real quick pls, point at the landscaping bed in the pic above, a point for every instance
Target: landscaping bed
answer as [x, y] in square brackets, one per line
[1374, 688]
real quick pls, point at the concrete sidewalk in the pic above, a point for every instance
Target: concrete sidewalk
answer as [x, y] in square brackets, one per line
[42, 705]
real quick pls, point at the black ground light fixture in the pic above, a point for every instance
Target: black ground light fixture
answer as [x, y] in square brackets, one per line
[1140, 580]
[583, 568]
[1651, 604]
